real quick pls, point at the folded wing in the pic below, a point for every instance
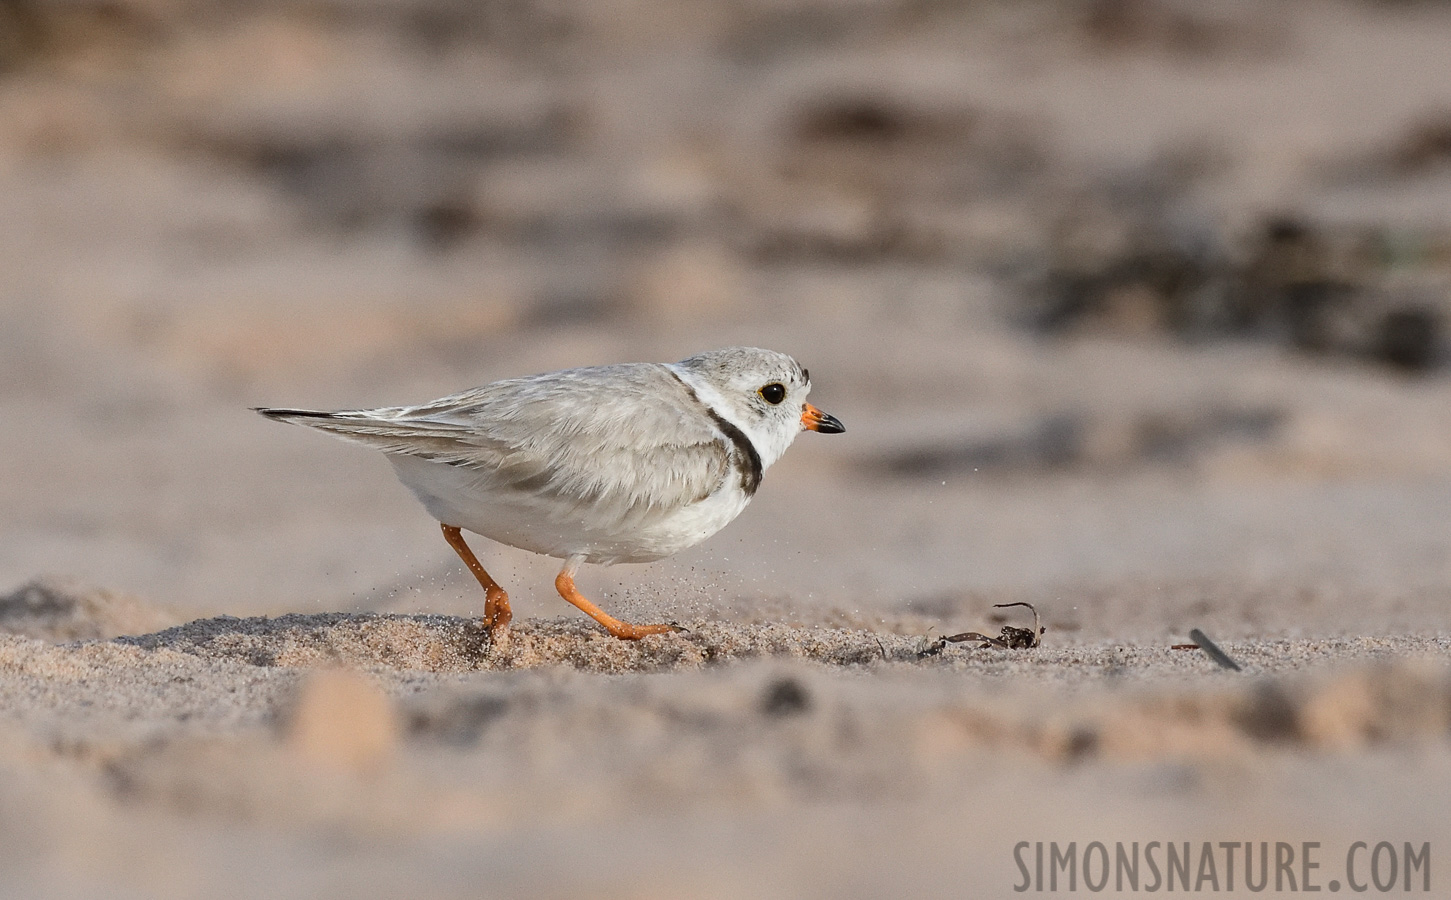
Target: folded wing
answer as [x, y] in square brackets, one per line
[628, 436]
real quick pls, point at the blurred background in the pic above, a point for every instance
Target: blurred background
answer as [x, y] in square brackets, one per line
[1132, 308]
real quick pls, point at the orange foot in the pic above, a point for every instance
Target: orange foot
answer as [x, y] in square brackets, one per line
[564, 583]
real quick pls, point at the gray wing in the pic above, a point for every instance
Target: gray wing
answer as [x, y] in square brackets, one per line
[629, 435]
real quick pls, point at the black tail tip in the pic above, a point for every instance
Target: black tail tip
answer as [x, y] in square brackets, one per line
[282, 415]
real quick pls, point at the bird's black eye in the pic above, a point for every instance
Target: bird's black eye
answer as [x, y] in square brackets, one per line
[773, 393]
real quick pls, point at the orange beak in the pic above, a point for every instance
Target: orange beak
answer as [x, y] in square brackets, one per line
[813, 419]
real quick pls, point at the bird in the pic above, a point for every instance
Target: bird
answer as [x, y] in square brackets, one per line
[623, 463]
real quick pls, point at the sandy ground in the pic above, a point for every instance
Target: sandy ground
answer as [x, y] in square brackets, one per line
[236, 659]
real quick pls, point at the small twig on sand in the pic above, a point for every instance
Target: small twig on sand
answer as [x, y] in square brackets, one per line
[1009, 639]
[1213, 651]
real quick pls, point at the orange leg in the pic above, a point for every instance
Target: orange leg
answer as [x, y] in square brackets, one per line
[564, 583]
[497, 613]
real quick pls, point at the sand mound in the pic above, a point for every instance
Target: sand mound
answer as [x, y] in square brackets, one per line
[55, 609]
[450, 644]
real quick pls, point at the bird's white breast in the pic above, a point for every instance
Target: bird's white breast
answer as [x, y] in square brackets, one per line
[606, 532]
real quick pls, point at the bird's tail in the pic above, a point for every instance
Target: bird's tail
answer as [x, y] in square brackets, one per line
[292, 415]
[381, 429]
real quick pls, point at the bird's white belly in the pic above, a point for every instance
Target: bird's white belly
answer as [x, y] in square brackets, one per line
[602, 532]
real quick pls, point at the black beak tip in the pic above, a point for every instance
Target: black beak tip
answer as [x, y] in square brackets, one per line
[830, 424]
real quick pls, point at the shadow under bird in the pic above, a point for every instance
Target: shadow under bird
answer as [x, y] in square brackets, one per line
[605, 464]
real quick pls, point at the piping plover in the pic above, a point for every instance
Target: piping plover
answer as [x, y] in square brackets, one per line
[608, 464]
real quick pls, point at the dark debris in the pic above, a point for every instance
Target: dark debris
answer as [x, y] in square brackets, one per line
[1010, 638]
[785, 697]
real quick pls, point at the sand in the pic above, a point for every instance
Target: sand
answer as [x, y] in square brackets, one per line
[338, 754]
[1021, 248]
